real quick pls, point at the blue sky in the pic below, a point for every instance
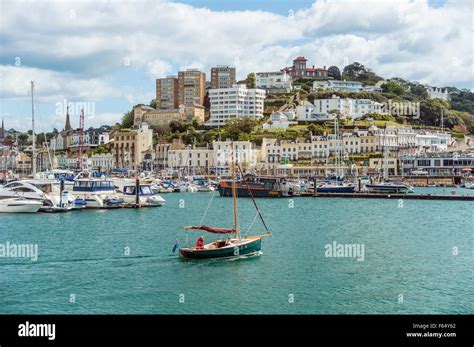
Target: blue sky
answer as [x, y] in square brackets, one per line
[277, 6]
[110, 53]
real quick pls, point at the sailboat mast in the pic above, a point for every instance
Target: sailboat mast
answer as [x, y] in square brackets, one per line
[337, 158]
[234, 195]
[33, 129]
[385, 157]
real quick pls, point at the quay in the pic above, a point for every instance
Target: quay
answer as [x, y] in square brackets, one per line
[394, 196]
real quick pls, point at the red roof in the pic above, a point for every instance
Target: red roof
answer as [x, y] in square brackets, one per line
[300, 59]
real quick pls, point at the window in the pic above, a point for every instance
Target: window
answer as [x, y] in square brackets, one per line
[448, 162]
[424, 162]
[129, 190]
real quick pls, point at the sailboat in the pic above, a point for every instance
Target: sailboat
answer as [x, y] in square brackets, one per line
[232, 246]
[388, 186]
[336, 184]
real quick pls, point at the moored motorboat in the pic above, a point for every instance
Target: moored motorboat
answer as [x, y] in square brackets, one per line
[161, 189]
[257, 186]
[389, 187]
[19, 205]
[335, 187]
[50, 192]
[96, 193]
[187, 187]
[136, 193]
[203, 185]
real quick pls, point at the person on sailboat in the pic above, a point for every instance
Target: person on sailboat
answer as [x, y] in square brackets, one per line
[176, 245]
[200, 243]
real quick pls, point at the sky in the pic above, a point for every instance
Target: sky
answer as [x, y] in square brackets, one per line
[104, 56]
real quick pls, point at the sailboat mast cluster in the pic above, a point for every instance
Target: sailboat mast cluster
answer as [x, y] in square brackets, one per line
[33, 128]
[234, 194]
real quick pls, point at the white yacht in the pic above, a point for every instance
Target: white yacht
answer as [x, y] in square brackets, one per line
[187, 187]
[203, 184]
[19, 205]
[127, 190]
[96, 193]
[48, 192]
[388, 186]
[469, 185]
[159, 187]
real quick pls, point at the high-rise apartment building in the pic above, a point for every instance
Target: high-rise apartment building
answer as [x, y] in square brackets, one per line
[235, 102]
[191, 92]
[167, 93]
[191, 87]
[222, 76]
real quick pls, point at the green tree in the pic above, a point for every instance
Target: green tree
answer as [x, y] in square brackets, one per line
[22, 139]
[354, 71]
[392, 87]
[317, 129]
[462, 100]
[378, 116]
[233, 128]
[102, 149]
[431, 111]
[250, 80]
[418, 90]
[334, 72]
[181, 126]
[358, 72]
[127, 120]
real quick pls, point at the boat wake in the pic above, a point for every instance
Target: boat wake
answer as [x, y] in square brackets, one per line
[85, 260]
[246, 256]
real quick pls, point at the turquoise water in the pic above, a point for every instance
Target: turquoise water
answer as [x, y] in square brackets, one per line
[408, 251]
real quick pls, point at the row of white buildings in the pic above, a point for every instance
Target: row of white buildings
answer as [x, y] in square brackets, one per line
[240, 102]
[317, 149]
[321, 109]
[300, 154]
[345, 86]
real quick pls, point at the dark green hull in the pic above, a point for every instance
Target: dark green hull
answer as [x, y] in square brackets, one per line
[246, 248]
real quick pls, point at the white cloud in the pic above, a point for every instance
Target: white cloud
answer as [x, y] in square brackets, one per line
[162, 35]
[85, 43]
[52, 86]
[159, 69]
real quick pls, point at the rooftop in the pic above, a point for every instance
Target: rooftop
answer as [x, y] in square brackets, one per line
[300, 58]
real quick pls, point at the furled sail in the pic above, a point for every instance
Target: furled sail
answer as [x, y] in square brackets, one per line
[210, 229]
